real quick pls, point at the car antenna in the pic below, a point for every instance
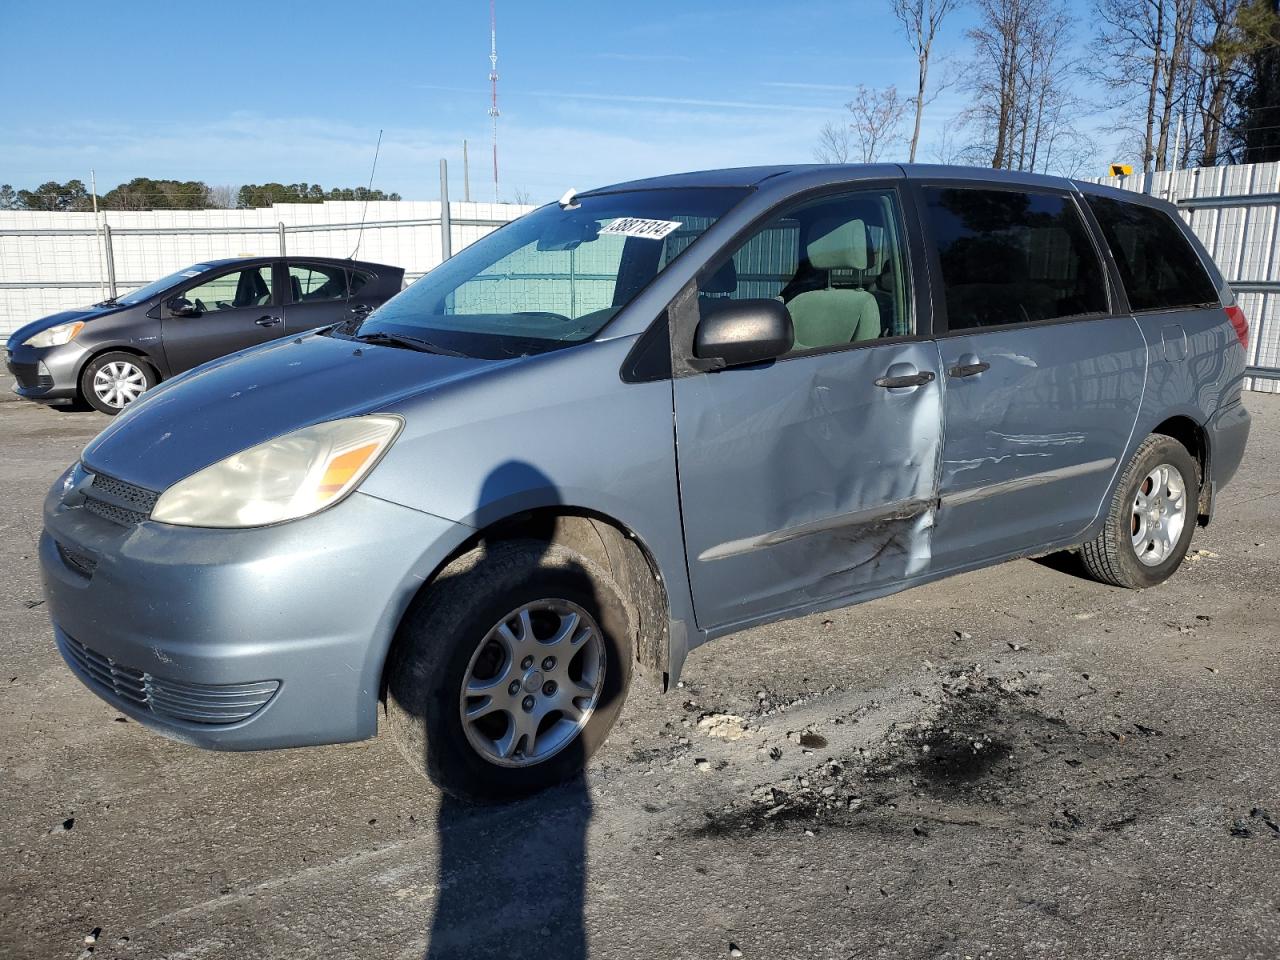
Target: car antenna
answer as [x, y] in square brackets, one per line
[569, 200]
[368, 190]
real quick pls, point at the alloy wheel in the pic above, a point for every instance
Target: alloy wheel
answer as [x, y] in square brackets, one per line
[533, 683]
[1159, 514]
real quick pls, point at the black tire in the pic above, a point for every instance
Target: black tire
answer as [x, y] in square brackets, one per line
[1112, 558]
[90, 395]
[445, 627]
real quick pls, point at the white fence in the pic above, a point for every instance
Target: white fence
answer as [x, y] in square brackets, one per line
[55, 261]
[1235, 211]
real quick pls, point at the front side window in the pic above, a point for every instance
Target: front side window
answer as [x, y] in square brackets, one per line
[230, 291]
[839, 265]
[315, 282]
[1012, 257]
[1157, 264]
[555, 276]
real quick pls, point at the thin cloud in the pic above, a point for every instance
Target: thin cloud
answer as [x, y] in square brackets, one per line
[646, 100]
[645, 57]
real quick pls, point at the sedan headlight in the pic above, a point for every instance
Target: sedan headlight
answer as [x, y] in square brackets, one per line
[289, 477]
[55, 336]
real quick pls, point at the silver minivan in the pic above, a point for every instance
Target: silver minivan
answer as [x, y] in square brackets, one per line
[634, 421]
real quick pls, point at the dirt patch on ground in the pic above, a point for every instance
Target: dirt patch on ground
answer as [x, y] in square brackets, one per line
[982, 751]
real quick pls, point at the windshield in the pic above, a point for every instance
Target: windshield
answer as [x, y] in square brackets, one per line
[160, 286]
[552, 278]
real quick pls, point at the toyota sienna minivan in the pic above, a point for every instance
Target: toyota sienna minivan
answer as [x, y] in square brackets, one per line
[634, 421]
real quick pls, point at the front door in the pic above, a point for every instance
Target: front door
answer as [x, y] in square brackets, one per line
[1043, 378]
[234, 310]
[812, 478]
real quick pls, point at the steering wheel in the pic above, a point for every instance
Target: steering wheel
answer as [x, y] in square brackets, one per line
[200, 305]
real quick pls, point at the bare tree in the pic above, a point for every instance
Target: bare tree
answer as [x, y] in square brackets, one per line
[223, 196]
[1149, 48]
[833, 144]
[877, 120]
[1024, 113]
[521, 196]
[920, 21]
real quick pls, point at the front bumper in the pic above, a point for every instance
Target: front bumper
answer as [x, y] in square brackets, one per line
[46, 374]
[238, 639]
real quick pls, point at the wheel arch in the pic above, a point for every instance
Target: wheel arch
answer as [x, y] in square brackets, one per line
[1192, 435]
[97, 352]
[602, 539]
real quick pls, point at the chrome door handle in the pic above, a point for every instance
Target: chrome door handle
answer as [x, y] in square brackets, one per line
[968, 369]
[267, 321]
[910, 380]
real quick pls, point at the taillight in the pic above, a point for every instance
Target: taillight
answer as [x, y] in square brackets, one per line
[1239, 324]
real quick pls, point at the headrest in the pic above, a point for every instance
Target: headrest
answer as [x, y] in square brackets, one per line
[844, 245]
[724, 280]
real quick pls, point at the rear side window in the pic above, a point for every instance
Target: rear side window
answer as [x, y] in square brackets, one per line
[1012, 257]
[1158, 265]
[310, 282]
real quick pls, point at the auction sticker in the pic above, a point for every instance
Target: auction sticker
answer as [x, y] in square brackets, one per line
[639, 227]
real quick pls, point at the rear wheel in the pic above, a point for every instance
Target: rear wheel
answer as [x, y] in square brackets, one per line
[111, 382]
[510, 670]
[1151, 519]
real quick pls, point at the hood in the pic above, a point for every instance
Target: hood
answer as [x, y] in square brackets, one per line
[66, 316]
[232, 404]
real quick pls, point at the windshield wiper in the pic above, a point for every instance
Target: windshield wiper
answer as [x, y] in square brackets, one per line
[109, 302]
[411, 343]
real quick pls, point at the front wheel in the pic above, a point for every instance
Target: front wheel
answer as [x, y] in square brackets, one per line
[510, 670]
[112, 381]
[1151, 518]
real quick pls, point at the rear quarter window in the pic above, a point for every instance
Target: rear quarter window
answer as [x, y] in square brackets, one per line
[1158, 266]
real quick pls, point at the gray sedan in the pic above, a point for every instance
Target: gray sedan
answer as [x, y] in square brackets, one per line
[109, 354]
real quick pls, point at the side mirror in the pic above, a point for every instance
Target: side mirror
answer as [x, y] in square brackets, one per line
[182, 307]
[732, 333]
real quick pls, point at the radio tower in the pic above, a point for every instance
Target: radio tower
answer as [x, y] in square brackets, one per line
[493, 86]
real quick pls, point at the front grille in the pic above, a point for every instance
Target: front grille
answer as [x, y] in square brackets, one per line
[28, 375]
[203, 703]
[124, 503]
[79, 561]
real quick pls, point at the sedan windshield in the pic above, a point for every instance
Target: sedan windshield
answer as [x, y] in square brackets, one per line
[552, 278]
[159, 286]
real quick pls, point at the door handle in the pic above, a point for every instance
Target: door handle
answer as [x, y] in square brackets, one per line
[968, 369]
[268, 321]
[909, 380]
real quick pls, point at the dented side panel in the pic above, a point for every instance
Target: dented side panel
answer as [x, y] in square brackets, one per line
[1033, 443]
[803, 481]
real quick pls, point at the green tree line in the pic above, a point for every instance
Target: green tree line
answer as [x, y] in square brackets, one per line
[143, 193]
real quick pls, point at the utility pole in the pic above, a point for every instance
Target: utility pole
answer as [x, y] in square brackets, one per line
[493, 88]
[466, 174]
[97, 226]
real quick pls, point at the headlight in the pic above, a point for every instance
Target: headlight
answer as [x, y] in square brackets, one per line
[286, 478]
[55, 336]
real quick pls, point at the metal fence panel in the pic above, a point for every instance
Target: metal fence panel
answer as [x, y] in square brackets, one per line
[1235, 211]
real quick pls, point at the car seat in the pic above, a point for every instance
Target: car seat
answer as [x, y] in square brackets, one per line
[834, 315]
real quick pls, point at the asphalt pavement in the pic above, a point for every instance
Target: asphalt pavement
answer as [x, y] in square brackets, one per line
[1016, 762]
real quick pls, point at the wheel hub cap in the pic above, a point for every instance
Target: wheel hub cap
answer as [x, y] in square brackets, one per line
[516, 715]
[119, 383]
[1159, 514]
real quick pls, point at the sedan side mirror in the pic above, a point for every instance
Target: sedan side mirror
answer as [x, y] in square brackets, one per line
[732, 333]
[182, 307]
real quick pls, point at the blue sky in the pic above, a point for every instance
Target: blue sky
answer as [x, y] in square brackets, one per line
[590, 93]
